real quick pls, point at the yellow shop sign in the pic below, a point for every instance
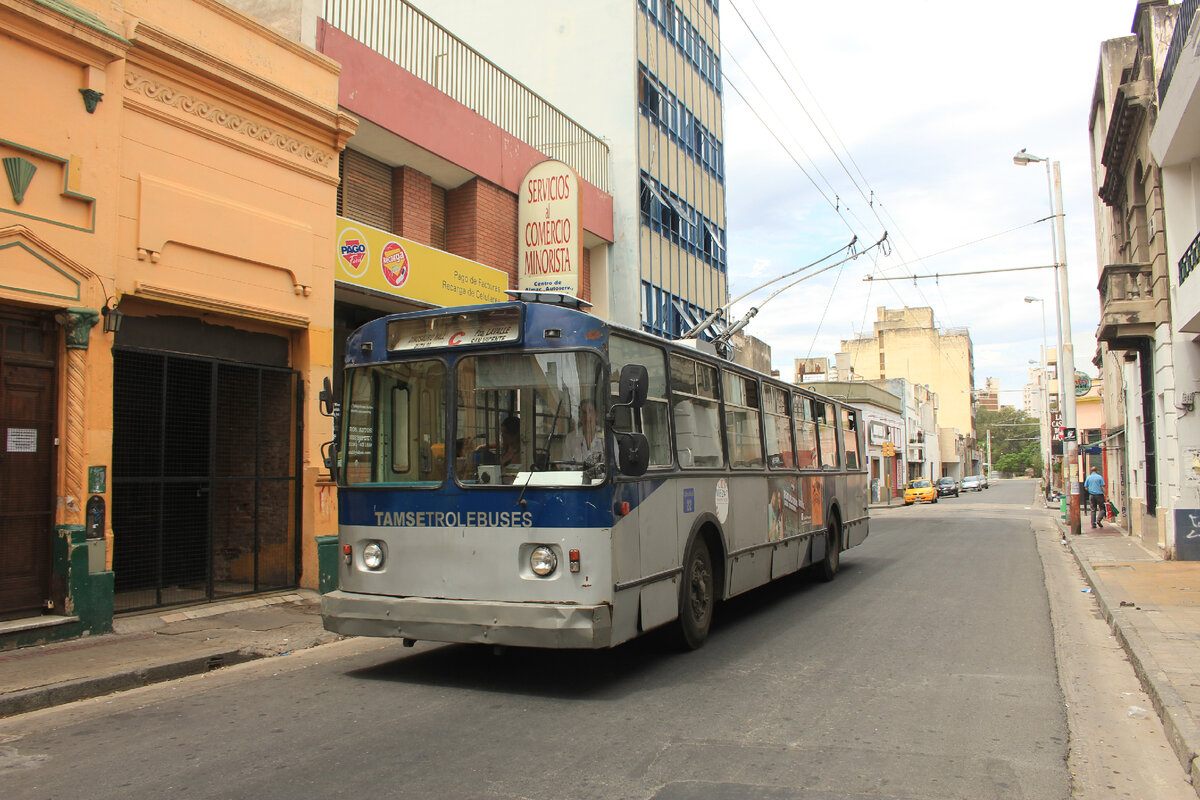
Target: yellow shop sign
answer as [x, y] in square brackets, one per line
[373, 259]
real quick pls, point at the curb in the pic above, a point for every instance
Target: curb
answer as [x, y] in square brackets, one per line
[1181, 729]
[57, 694]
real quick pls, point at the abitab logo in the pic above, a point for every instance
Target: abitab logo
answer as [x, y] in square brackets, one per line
[352, 248]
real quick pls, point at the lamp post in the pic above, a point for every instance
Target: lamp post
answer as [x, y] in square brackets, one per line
[1066, 352]
[1045, 415]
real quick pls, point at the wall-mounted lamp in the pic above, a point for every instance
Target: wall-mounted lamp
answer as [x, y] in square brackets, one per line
[91, 99]
[112, 317]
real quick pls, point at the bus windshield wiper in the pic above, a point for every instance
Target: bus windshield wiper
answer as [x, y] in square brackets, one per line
[533, 466]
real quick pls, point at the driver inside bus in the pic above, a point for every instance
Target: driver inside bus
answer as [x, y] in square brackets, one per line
[510, 441]
[585, 444]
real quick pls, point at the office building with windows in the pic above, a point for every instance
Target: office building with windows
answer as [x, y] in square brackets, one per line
[645, 77]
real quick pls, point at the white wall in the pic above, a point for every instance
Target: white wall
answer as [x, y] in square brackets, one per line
[582, 58]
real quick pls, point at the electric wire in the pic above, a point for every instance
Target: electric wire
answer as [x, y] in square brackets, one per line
[838, 205]
[779, 141]
[799, 102]
[871, 200]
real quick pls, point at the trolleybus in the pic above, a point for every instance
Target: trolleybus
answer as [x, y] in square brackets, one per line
[527, 474]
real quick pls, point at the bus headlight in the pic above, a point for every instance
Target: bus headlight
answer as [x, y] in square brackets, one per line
[372, 556]
[542, 561]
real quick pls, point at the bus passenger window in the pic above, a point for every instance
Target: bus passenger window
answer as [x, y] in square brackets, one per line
[827, 435]
[806, 432]
[654, 415]
[778, 429]
[742, 421]
[697, 415]
[850, 438]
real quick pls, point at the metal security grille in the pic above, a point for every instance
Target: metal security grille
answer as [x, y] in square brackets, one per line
[205, 468]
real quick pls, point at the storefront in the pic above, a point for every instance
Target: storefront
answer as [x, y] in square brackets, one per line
[380, 273]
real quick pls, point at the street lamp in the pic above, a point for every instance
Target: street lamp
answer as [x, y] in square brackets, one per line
[1066, 352]
[1045, 398]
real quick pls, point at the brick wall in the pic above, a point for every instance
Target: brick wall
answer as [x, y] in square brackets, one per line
[437, 220]
[478, 220]
[585, 276]
[481, 224]
[412, 194]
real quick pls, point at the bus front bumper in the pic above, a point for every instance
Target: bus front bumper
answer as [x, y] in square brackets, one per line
[438, 620]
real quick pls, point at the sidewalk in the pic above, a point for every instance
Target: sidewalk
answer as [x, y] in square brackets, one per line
[159, 646]
[1153, 607]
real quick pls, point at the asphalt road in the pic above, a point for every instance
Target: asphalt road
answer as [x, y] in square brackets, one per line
[927, 670]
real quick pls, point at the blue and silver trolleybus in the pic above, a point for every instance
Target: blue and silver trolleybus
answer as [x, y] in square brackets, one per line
[524, 473]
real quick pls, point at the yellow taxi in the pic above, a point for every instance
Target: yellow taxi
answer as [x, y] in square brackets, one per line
[920, 491]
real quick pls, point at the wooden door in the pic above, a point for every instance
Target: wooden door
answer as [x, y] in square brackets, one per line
[28, 343]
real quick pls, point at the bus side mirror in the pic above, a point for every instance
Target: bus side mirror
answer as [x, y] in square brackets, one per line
[325, 398]
[631, 390]
[633, 453]
[329, 408]
[329, 458]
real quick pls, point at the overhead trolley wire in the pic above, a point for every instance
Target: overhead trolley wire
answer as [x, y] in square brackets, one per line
[714, 316]
[795, 161]
[799, 102]
[871, 200]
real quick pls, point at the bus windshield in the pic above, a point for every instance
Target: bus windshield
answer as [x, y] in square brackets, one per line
[530, 419]
[395, 424]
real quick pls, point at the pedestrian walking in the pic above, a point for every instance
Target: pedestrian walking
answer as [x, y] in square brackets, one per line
[1093, 484]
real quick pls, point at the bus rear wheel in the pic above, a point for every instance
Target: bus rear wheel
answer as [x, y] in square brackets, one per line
[833, 551]
[697, 596]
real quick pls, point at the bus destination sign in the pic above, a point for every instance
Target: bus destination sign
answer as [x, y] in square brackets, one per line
[455, 330]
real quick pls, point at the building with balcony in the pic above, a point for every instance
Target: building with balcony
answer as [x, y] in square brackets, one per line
[1175, 144]
[1135, 355]
[445, 139]
[923, 454]
[1034, 394]
[644, 75]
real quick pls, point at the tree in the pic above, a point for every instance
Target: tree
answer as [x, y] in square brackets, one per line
[1016, 439]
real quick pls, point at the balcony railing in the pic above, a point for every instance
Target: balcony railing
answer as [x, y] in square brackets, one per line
[1190, 258]
[1121, 282]
[1127, 302]
[400, 32]
[1183, 21]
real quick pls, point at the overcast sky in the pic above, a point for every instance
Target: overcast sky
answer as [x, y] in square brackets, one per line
[928, 100]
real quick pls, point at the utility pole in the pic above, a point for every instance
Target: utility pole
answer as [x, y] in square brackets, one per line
[1066, 364]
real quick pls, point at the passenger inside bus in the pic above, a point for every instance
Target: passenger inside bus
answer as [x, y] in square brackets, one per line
[491, 460]
[510, 441]
[585, 444]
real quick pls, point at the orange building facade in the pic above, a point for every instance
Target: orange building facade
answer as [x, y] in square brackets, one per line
[167, 231]
[199, 209]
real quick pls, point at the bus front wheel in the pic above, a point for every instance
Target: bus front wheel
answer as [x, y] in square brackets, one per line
[697, 596]
[833, 550]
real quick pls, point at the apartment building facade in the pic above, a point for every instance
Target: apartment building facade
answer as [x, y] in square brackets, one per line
[907, 344]
[1136, 349]
[1176, 148]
